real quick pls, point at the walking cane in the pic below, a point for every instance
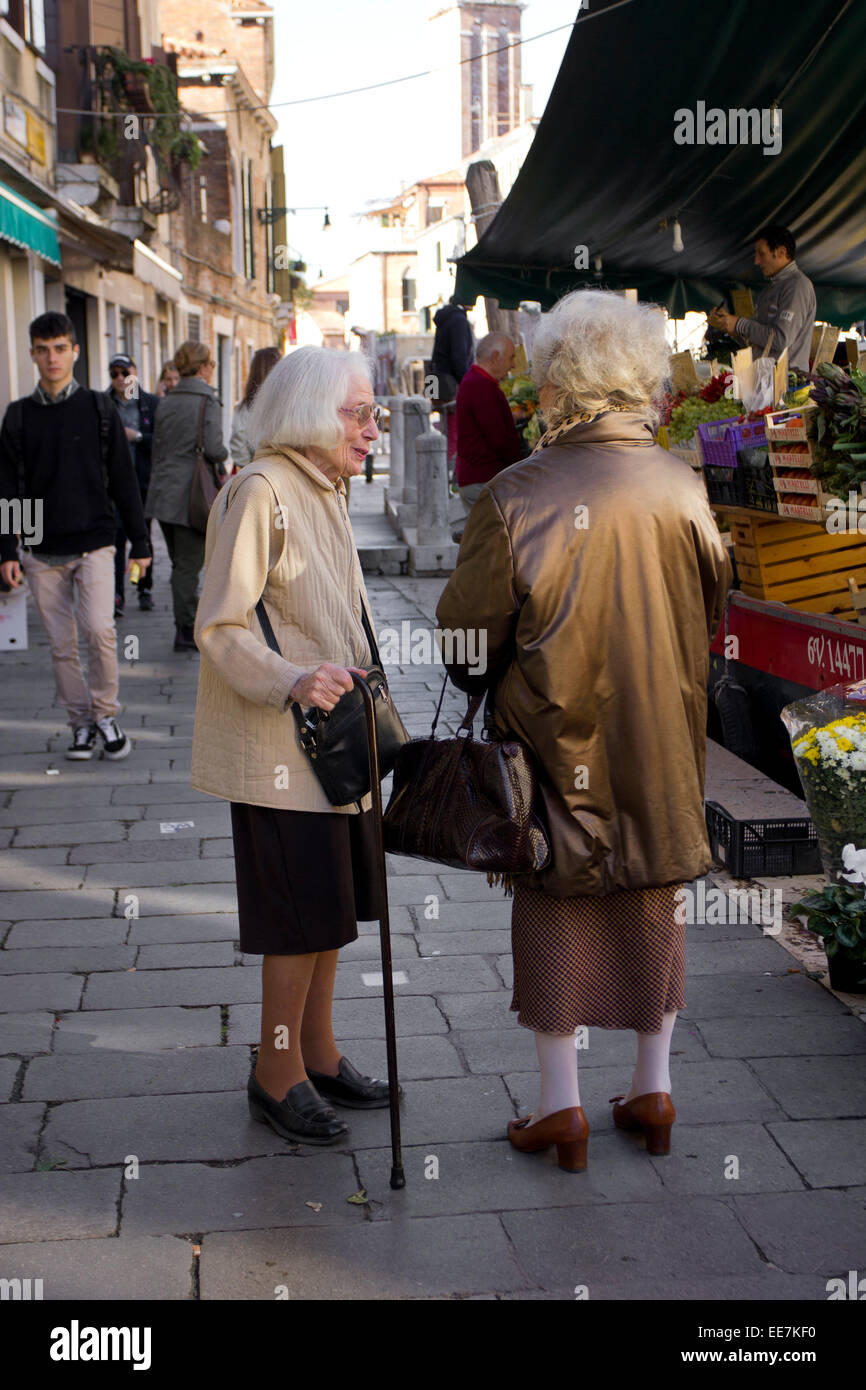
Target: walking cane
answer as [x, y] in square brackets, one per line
[398, 1177]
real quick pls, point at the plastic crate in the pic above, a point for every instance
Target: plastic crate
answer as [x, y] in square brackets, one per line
[724, 486]
[720, 440]
[762, 848]
[756, 480]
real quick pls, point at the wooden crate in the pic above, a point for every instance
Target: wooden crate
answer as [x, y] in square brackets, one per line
[799, 564]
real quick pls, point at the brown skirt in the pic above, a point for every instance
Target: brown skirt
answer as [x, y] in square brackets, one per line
[611, 962]
[305, 878]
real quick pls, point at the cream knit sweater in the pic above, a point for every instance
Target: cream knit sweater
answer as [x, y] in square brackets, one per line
[280, 530]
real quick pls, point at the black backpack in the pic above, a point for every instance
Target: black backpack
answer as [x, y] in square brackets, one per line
[13, 425]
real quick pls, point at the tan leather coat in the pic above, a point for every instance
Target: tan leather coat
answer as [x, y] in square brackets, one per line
[597, 570]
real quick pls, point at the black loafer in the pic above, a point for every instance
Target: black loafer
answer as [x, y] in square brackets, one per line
[351, 1089]
[303, 1116]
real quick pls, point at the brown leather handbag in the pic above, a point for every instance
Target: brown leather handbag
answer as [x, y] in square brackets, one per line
[207, 479]
[466, 803]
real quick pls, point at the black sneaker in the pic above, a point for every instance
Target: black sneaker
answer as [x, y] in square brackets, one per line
[184, 639]
[145, 601]
[83, 743]
[119, 605]
[115, 742]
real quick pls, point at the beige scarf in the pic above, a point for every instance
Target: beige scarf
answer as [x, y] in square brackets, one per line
[568, 422]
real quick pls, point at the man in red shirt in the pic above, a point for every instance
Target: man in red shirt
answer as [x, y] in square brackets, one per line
[487, 437]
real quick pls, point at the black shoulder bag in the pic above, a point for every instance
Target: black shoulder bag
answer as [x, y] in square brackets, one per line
[336, 742]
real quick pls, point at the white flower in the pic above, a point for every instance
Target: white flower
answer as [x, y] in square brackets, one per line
[855, 861]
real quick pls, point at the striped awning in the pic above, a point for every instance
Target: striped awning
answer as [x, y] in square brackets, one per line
[27, 226]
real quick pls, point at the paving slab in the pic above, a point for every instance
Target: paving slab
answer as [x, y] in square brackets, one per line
[126, 876]
[827, 1153]
[82, 833]
[81, 932]
[138, 1030]
[414, 1258]
[23, 993]
[807, 1232]
[468, 887]
[447, 1178]
[703, 1093]
[438, 1111]
[180, 901]
[26, 1033]
[421, 977]
[417, 1057]
[353, 1018]
[189, 954]
[812, 1087]
[784, 1037]
[693, 1238]
[735, 996]
[86, 902]
[724, 1160]
[120, 990]
[167, 848]
[79, 960]
[367, 948]
[56, 1206]
[185, 927]
[19, 1134]
[142, 1269]
[258, 1193]
[215, 1125]
[489, 1010]
[9, 1069]
[218, 848]
[71, 1076]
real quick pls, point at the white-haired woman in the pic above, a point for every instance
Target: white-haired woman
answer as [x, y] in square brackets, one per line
[280, 531]
[597, 570]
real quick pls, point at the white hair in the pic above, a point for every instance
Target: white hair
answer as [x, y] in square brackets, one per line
[298, 403]
[598, 349]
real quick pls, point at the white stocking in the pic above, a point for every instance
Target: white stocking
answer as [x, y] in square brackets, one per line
[557, 1058]
[652, 1069]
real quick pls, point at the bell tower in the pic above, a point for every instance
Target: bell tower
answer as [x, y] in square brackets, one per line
[480, 96]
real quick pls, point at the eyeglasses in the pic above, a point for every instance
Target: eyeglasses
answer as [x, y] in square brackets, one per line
[119, 371]
[363, 413]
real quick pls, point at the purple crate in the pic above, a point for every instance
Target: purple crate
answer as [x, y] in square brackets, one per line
[720, 440]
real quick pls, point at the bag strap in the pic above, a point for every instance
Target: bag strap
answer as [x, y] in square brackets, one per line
[368, 629]
[473, 704]
[270, 638]
[199, 439]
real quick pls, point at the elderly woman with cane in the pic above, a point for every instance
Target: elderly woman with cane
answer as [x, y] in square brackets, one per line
[597, 570]
[305, 869]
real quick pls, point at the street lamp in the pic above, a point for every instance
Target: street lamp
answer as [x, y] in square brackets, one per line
[271, 215]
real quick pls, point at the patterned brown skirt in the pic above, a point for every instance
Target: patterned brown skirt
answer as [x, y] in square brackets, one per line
[612, 962]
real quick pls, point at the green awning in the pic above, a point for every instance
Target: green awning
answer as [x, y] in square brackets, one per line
[27, 226]
[605, 171]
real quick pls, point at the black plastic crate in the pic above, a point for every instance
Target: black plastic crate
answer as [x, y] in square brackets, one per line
[723, 485]
[756, 480]
[762, 848]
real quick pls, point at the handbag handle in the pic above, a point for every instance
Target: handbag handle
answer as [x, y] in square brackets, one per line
[473, 704]
[199, 434]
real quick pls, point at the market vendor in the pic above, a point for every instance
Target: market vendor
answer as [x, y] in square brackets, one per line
[785, 312]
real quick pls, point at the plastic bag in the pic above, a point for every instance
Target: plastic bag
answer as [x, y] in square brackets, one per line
[763, 392]
[828, 739]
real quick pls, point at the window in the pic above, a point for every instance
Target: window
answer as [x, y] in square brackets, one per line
[503, 83]
[249, 223]
[127, 333]
[202, 197]
[408, 291]
[438, 254]
[193, 328]
[435, 212]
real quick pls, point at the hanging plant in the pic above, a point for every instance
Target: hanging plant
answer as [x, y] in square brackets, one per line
[148, 89]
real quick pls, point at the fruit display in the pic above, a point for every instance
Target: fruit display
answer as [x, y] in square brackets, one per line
[711, 403]
[840, 398]
[522, 396]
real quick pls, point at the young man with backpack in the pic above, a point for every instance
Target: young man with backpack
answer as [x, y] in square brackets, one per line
[64, 458]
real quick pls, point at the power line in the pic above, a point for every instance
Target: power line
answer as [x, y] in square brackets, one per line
[349, 92]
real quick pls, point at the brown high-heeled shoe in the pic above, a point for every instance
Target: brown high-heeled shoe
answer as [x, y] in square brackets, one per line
[653, 1113]
[567, 1129]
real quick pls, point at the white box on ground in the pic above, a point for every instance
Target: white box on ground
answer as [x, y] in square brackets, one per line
[13, 621]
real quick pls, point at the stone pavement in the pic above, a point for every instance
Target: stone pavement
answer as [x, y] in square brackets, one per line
[130, 1165]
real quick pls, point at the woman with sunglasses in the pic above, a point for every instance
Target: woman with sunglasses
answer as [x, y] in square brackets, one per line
[175, 435]
[305, 870]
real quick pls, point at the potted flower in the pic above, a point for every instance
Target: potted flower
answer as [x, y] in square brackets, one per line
[838, 916]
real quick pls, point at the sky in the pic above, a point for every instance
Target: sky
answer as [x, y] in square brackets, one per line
[347, 152]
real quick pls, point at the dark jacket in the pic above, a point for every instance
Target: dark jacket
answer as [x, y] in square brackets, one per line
[142, 449]
[487, 437]
[596, 570]
[454, 345]
[76, 472]
[174, 441]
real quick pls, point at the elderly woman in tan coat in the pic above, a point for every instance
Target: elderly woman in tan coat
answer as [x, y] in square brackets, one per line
[597, 570]
[305, 872]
